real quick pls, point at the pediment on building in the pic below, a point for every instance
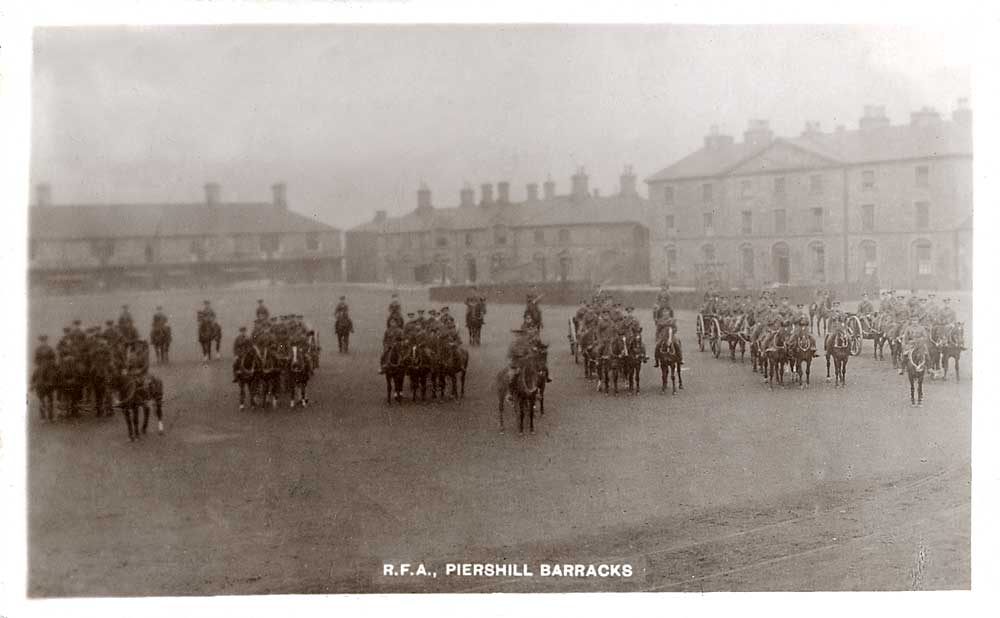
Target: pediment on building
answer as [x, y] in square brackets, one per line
[780, 156]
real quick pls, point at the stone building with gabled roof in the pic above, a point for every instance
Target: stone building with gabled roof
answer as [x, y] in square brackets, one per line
[881, 204]
[580, 236]
[154, 245]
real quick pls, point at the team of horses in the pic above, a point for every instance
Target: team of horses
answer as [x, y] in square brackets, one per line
[100, 381]
[426, 362]
[265, 373]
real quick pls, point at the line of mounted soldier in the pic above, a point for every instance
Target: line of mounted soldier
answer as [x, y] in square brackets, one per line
[103, 367]
[277, 357]
[608, 336]
[427, 349]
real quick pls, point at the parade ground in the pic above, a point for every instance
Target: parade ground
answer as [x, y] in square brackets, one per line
[726, 485]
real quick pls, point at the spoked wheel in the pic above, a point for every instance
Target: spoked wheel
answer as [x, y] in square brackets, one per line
[716, 341]
[856, 342]
[699, 331]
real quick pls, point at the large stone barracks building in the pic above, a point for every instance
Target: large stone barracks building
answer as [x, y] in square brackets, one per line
[84, 247]
[580, 236]
[885, 204]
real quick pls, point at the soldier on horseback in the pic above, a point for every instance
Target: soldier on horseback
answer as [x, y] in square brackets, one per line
[913, 335]
[206, 313]
[241, 345]
[531, 309]
[136, 357]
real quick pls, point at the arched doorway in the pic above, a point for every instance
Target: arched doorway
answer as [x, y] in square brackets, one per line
[780, 264]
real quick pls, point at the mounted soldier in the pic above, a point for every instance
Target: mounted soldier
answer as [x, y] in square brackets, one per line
[241, 345]
[913, 335]
[532, 309]
[206, 313]
[262, 312]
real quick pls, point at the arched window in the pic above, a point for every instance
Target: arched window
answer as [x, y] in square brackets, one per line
[746, 261]
[817, 261]
[539, 260]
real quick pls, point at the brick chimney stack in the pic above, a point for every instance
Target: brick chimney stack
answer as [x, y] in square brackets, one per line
[43, 194]
[715, 140]
[550, 188]
[212, 192]
[812, 128]
[580, 184]
[503, 192]
[758, 132]
[380, 216]
[627, 180]
[532, 191]
[925, 116]
[467, 196]
[424, 198]
[487, 194]
[279, 196]
[874, 118]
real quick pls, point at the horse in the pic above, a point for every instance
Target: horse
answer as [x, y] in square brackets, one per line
[736, 336]
[756, 353]
[614, 358]
[474, 323]
[883, 325]
[209, 331]
[160, 336]
[419, 363]
[837, 346]
[395, 372]
[670, 358]
[343, 327]
[249, 368]
[452, 362]
[776, 355]
[819, 313]
[299, 372]
[802, 351]
[73, 377]
[573, 329]
[954, 343]
[634, 360]
[45, 383]
[269, 380]
[526, 389]
[280, 378]
[590, 353]
[137, 391]
[916, 366]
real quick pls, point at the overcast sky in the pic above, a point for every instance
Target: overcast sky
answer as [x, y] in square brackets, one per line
[354, 118]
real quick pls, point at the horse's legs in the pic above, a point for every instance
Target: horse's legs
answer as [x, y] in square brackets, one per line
[531, 415]
[956, 368]
[920, 391]
[145, 417]
[520, 415]
[913, 400]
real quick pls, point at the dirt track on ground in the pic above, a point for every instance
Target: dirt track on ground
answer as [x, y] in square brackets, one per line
[725, 486]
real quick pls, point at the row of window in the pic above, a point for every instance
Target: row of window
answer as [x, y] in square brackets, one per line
[500, 237]
[816, 266]
[815, 221]
[816, 185]
[104, 249]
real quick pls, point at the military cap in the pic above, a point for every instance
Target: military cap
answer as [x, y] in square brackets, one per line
[410, 314]
[784, 298]
[799, 305]
[803, 321]
[445, 309]
[43, 337]
[109, 322]
[242, 328]
[433, 312]
[947, 299]
[629, 308]
[517, 331]
[395, 295]
[836, 302]
[124, 306]
[65, 329]
[864, 294]
[420, 310]
[932, 295]
[343, 297]
[206, 302]
[274, 318]
[76, 322]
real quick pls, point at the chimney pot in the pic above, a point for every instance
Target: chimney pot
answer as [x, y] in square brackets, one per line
[380, 216]
[715, 140]
[924, 116]
[424, 198]
[758, 132]
[579, 183]
[532, 190]
[43, 194]
[874, 118]
[503, 192]
[279, 195]
[627, 186]
[212, 192]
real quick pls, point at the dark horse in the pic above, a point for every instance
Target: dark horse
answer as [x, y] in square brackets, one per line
[209, 331]
[395, 372]
[525, 391]
[837, 346]
[343, 327]
[776, 356]
[136, 392]
[670, 358]
[160, 336]
[249, 372]
[419, 363]
[819, 314]
[474, 323]
[916, 367]
[73, 377]
[634, 361]
[299, 371]
[951, 347]
[614, 358]
[45, 381]
[736, 336]
[801, 351]
[452, 363]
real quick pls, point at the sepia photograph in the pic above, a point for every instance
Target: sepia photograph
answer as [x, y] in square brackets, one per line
[342, 309]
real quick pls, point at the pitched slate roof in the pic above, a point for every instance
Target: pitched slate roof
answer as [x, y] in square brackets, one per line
[560, 210]
[165, 220]
[891, 143]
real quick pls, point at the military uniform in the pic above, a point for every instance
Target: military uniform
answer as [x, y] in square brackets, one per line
[341, 308]
[262, 313]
